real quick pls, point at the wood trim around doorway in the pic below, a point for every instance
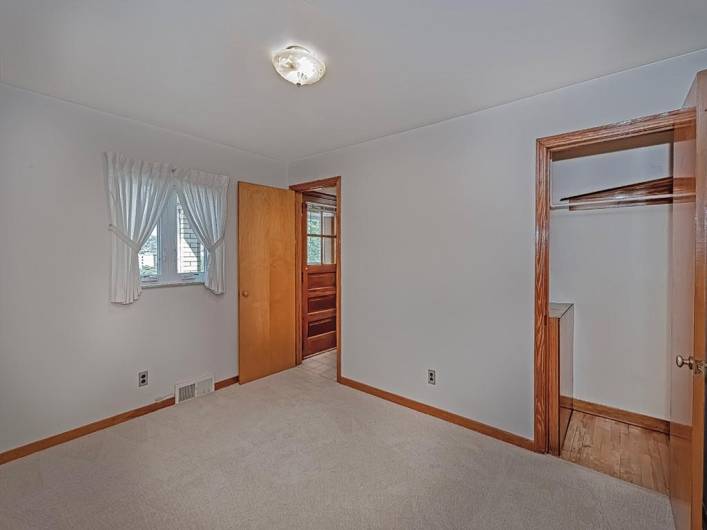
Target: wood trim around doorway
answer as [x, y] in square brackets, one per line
[299, 189]
[609, 137]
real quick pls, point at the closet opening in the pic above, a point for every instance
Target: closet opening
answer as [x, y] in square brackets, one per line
[318, 276]
[617, 301]
[609, 306]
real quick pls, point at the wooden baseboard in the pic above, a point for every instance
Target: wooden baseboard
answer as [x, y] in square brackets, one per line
[624, 416]
[482, 428]
[218, 385]
[45, 443]
[566, 402]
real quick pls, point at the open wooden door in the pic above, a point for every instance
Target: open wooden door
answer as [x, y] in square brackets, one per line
[687, 381]
[266, 281]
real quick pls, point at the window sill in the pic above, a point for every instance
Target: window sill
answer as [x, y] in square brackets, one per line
[155, 285]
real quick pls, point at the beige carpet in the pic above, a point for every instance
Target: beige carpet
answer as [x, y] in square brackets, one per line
[297, 450]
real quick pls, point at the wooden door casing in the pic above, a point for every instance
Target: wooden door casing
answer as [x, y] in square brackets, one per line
[266, 281]
[625, 134]
[301, 189]
[688, 262]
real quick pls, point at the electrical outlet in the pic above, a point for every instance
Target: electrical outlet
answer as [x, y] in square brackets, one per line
[431, 377]
[142, 378]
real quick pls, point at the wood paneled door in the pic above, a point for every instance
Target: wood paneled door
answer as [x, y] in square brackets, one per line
[266, 281]
[319, 275]
[687, 274]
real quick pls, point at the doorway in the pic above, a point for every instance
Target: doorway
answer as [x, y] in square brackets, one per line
[289, 279]
[318, 276]
[684, 192]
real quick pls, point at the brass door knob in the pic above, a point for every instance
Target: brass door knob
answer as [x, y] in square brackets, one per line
[681, 361]
[244, 294]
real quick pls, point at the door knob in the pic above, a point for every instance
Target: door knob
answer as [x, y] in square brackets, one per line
[244, 294]
[681, 361]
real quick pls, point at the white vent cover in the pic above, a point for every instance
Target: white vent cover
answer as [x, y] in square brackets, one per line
[184, 391]
[191, 389]
[204, 386]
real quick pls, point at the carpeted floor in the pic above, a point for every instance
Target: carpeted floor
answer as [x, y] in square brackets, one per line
[298, 451]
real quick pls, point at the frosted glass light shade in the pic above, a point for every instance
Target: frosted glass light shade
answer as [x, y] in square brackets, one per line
[298, 65]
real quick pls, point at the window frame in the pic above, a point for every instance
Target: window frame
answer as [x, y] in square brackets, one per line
[168, 253]
[321, 208]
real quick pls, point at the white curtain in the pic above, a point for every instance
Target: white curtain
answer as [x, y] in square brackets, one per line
[203, 197]
[137, 192]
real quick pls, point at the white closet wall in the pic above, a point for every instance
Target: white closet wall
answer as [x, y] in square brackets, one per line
[613, 265]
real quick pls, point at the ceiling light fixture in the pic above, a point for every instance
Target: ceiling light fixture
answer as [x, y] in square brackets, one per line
[298, 65]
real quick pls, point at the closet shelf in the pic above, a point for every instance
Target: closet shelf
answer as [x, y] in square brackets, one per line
[657, 191]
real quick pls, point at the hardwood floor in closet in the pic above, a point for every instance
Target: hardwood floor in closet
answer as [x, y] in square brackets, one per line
[624, 451]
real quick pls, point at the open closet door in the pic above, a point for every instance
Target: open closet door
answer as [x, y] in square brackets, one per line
[266, 281]
[687, 381]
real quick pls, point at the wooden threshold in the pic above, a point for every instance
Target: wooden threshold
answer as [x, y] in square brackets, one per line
[78, 432]
[313, 355]
[623, 416]
[473, 425]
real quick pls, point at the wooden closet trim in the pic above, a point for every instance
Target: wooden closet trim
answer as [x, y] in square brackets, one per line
[300, 189]
[545, 148]
[624, 416]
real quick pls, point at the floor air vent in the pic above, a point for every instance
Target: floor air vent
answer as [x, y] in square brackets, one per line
[185, 392]
[204, 386]
[191, 389]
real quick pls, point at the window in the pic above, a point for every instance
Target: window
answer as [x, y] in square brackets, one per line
[173, 253]
[149, 256]
[321, 234]
[190, 251]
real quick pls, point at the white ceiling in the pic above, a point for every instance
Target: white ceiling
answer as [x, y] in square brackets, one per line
[203, 67]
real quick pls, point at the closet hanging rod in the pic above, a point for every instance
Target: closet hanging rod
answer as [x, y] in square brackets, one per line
[635, 198]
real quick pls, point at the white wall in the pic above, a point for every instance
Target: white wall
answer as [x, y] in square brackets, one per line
[590, 173]
[438, 242]
[613, 265]
[68, 356]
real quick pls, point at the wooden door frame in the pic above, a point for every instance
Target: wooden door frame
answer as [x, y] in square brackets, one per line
[623, 132]
[299, 190]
